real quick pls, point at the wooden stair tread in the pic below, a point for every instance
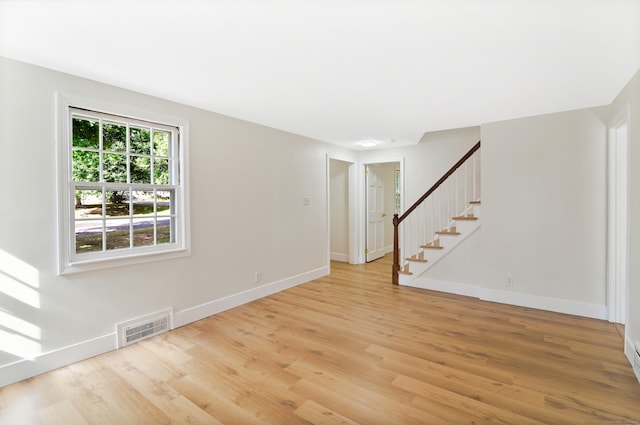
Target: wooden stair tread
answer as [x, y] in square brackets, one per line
[474, 202]
[406, 273]
[419, 260]
[447, 232]
[431, 247]
[465, 217]
[419, 257]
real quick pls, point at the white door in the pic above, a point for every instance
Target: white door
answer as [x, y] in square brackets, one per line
[375, 212]
[617, 274]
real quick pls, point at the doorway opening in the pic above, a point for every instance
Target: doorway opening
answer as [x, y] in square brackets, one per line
[341, 212]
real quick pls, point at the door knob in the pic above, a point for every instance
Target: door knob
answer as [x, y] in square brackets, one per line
[384, 215]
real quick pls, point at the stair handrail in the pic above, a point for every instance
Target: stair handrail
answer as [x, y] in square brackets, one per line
[399, 219]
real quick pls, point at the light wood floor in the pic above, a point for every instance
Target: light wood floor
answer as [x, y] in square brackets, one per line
[349, 348]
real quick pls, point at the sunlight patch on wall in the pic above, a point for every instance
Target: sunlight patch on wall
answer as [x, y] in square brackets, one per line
[18, 290]
[19, 280]
[18, 269]
[19, 345]
[20, 326]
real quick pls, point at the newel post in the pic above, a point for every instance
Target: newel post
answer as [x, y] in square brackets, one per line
[396, 251]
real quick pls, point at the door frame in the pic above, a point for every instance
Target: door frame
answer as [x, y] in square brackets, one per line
[618, 218]
[361, 190]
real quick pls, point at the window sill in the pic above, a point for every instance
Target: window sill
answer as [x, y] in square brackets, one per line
[133, 259]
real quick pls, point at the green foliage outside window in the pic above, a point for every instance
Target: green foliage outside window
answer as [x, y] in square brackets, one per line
[87, 155]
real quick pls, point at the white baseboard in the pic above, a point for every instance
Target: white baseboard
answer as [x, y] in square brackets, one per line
[338, 256]
[27, 368]
[445, 286]
[558, 305]
[520, 299]
[210, 308]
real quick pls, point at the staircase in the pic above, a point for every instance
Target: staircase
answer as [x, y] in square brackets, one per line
[440, 220]
[443, 242]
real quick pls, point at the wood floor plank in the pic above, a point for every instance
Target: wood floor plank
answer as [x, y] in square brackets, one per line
[349, 348]
[357, 407]
[102, 397]
[61, 413]
[216, 401]
[319, 415]
[470, 406]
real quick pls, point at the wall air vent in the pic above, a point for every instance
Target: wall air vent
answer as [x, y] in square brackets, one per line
[144, 327]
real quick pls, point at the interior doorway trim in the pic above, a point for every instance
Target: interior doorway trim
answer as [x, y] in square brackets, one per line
[618, 216]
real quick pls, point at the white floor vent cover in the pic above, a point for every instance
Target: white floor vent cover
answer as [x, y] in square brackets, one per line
[144, 327]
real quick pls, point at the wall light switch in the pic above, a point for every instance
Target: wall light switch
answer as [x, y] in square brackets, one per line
[306, 200]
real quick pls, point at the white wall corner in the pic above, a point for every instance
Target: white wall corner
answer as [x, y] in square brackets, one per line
[210, 308]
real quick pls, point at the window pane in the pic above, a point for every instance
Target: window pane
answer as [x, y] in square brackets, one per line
[117, 203]
[86, 133]
[118, 234]
[86, 166]
[161, 143]
[161, 171]
[88, 203]
[165, 202]
[165, 230]
[88, 236]
[114, 168]
[140, 169]
[140, 140]
[142, 203]
[114, 137]
[143, 232]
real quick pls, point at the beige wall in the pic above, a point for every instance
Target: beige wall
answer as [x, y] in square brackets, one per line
[544, 206]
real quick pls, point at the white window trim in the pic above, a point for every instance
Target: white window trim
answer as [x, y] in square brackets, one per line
[66, 202]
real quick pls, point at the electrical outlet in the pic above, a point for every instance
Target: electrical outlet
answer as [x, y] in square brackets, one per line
[509, 281]
[258, 276]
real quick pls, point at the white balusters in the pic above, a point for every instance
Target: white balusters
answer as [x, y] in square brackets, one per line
[436, 211]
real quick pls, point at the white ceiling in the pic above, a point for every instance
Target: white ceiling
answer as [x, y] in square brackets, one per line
[341, 71]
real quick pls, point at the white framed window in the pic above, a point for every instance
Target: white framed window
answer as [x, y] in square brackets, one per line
[123, 192]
